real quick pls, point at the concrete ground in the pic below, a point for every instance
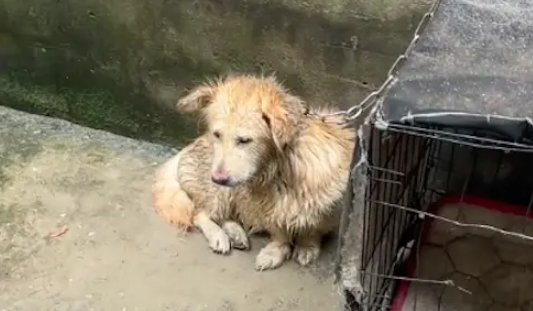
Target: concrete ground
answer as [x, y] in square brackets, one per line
[116, 254]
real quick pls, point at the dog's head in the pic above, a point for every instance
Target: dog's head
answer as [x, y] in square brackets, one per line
[249, 119]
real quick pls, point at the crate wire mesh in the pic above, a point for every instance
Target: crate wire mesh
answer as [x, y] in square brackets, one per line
[405, 173]
[393, 173]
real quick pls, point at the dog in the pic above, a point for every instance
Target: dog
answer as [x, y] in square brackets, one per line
[264, 163]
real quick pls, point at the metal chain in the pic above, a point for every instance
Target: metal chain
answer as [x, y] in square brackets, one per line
[368, 102]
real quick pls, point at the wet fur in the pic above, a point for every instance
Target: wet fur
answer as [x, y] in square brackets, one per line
[300, 168]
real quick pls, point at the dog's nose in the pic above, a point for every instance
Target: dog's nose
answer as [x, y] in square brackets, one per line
[220, 178]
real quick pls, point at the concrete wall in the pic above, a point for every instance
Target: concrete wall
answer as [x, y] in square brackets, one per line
[119, 65]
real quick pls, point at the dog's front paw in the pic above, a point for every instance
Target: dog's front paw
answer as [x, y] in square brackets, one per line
[219, 242]
[304, 255]
[272, 256]
[237, 235]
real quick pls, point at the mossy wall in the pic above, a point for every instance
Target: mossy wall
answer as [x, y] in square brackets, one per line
[121, 65]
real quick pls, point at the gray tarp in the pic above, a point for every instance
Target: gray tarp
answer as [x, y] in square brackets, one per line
[472, 67]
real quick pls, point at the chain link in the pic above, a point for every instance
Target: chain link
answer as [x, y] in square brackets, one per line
[368, 102]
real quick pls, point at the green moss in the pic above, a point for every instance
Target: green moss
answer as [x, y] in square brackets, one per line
[98, 109]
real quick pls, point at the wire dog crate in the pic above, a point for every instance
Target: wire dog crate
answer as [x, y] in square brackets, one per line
[406, 174]
[438, 210]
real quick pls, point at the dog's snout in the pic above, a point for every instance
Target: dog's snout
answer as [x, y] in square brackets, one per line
[220, 177]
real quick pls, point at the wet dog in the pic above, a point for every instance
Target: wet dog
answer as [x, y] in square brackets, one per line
[264, 164]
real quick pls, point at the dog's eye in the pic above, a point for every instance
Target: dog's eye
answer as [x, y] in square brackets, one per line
[243, 140]
[216, 134]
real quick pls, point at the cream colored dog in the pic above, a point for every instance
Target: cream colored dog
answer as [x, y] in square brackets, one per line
[263, 162]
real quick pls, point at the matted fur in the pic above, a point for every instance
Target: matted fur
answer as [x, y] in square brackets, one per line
[286, 170]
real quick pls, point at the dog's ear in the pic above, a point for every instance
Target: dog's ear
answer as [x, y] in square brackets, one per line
[197, 99]
[284, 119]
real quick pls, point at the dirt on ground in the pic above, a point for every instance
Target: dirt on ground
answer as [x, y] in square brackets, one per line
[77, 232]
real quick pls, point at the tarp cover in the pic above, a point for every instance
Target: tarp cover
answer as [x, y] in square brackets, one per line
[472, 68]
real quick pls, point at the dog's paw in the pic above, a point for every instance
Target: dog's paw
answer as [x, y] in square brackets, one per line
[219, 242]
[272, 256]
[304, 255]
[237, 235]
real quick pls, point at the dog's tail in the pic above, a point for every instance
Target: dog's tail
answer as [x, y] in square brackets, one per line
[168, 199]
